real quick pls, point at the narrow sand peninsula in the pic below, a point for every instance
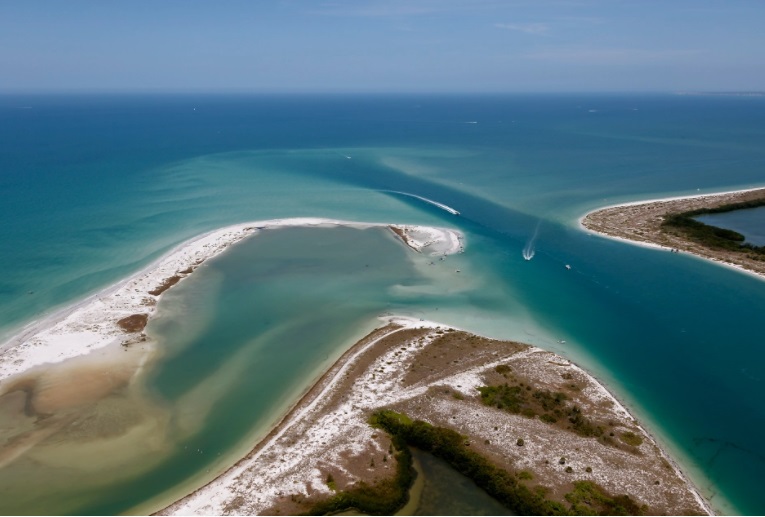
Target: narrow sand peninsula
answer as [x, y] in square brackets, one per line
[119, 313]
[640, 223]
[431, 372]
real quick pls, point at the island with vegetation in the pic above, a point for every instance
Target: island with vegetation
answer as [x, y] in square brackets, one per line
[529, 427]
[672, 224]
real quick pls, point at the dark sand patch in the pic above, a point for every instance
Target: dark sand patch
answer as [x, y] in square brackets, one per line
[401, 234]
[134, 322]
[167, 284]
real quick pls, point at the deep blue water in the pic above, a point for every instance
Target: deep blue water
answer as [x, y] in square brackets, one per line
[95, 187]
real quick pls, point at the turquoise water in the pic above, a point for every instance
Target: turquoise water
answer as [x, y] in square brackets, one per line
[750, 223]
[97, 187]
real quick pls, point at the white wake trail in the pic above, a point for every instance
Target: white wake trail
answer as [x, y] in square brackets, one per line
[430, 201]
[528, 250]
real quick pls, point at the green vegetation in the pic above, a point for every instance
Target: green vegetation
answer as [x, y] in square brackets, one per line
[519, 399]
[588, 498]
[631, 438]
[582, 425]
[502, 369]
[504, 485]
[382, 498]
[712, 236]
[549, 406]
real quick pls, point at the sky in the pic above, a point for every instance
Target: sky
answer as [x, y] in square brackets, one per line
[382, 45]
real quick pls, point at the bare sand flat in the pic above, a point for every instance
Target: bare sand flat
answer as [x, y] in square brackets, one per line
[431, 372]
[640, 223]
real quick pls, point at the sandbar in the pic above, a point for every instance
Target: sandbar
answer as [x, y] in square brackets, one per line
[118, 314]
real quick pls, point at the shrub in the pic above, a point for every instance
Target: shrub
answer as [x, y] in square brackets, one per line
[502, 369]
[548, 418]
[713, 236]
[631, 438]
[588, 498]
[581, 424]
[500, 483]
[382, 498]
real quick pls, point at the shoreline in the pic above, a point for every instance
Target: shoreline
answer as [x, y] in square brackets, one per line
[644, 228]
[660, 444]
[191, 254]
[91, 323]
[303, 417]
[308, 400]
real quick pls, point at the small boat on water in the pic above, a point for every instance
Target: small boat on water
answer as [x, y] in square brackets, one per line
[568, 267]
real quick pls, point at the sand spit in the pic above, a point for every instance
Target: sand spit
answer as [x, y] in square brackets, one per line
[640, 223]
[432, 372]
[95, 322]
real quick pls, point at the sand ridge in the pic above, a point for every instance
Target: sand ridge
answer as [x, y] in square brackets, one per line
[640, 222]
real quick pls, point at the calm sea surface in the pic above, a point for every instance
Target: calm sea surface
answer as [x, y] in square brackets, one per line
[96, 187]
[750, 223]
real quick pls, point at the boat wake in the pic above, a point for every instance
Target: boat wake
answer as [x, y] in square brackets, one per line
[429, 201]
[528, 250]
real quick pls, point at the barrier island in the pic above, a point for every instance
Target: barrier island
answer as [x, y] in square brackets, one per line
[669, 224]
[531, 428]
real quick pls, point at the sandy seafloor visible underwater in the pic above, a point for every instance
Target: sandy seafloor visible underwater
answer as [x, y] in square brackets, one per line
[97, 187]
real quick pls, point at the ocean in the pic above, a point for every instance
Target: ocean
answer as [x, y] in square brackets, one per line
[95, 187]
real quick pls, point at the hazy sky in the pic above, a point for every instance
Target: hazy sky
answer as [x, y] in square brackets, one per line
[382, 45]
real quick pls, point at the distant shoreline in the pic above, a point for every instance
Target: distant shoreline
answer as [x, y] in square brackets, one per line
[639, 223]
